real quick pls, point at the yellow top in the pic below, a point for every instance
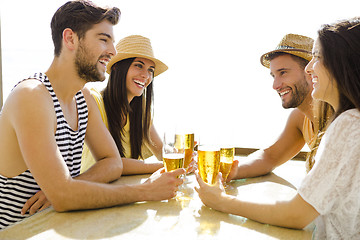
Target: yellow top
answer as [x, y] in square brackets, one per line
[309, 137]
[87, 159]
[308, 132]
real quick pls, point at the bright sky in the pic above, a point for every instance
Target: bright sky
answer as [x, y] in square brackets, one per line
[215, 84]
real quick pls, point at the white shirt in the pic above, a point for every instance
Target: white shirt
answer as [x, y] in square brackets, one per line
[332, 187]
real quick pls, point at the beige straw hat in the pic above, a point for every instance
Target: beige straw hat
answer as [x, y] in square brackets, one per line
[136, 46]
[294, 44]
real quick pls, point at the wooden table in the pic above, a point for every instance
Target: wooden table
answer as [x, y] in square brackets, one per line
[179, 218]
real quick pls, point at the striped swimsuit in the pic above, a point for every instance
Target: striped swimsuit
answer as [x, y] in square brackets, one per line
[15, 191]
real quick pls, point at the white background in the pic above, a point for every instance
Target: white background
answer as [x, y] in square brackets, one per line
[215, 84]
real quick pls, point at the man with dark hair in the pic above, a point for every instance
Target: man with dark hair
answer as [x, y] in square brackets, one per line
[45, 118]
[294, 86]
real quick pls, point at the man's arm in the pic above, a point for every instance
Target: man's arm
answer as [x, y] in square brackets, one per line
[105, 169]
[130, 166]
[285, 147]
[108, 166]
[34, 122]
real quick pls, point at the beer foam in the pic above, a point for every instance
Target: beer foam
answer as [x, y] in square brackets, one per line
[208, 148]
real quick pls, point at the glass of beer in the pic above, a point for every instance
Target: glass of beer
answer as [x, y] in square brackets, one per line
[208, 162]
[173, 151]
[173, 155]
[188, 146]
[226, 161]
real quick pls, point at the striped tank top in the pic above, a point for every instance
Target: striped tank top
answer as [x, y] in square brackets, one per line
[15, 191]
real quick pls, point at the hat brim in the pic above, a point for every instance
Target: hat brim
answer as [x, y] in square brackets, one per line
[297, 52]
[160, 67]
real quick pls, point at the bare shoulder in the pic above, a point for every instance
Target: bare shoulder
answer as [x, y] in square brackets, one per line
[25, 113]
[28, 89]
[90, 101]
[296, 119]
[86, 91]
[290, 141]
[30, 96]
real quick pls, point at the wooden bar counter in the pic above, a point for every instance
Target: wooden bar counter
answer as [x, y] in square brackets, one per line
[179, 218]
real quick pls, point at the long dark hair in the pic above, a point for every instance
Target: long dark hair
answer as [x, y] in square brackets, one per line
[323, 113]
[340, 51]
[340, 44]
[117, 108]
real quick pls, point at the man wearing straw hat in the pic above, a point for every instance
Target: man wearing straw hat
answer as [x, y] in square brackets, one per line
[45, 118]
[294, 86]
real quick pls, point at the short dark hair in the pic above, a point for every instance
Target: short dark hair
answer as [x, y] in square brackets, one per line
[301, 61]
[80, 16]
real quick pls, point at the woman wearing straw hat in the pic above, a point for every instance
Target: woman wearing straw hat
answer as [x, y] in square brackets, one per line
[329, 194]
[125, 105]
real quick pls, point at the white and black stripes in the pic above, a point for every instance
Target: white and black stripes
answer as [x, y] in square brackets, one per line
[14, 192]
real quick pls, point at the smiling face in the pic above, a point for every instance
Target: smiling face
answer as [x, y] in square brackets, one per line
[325, 88]
[94, 52]
[139, 76]
[290, 81]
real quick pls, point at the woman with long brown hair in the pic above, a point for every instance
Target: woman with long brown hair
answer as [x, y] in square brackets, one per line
[126, 105]
[329, 193]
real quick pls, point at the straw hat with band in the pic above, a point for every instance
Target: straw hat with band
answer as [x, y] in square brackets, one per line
[136, 46]
[294, 44]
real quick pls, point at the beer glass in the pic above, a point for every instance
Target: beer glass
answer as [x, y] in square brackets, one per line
[173, 151]
[189, 149]
[226, 160]
[208, 162]
[173, 155]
